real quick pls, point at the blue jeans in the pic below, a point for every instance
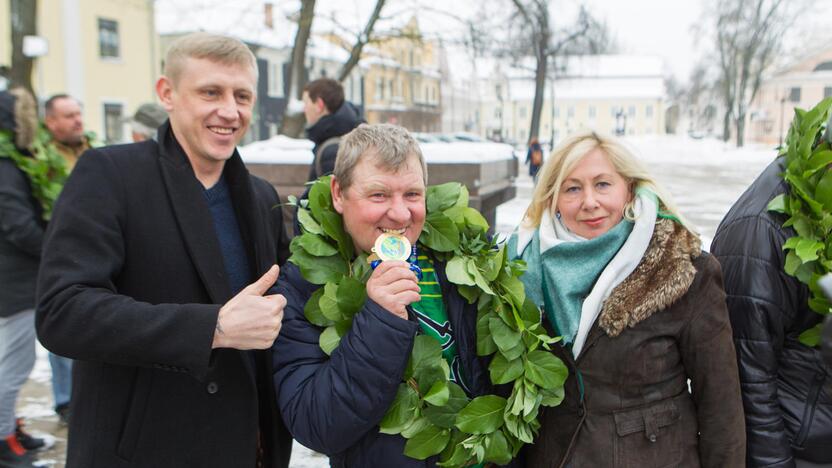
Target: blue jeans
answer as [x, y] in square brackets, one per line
[17, 358]
[61, 378]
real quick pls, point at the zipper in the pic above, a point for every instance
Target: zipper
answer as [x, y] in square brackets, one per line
[809, 410]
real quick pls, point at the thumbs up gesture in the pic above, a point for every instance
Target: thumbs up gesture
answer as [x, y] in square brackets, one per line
[251, 320]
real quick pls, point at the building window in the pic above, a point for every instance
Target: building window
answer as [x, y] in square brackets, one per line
[827, 92]
[631, 111]
[379, 88]
[648, 111]
[794, 94]
[108, 38]
[591, 112]
[113, 123]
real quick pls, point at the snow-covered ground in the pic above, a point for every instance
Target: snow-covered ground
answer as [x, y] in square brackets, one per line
[704, 176]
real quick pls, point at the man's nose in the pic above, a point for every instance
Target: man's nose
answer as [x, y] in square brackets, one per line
[228, 108]
[398, 211]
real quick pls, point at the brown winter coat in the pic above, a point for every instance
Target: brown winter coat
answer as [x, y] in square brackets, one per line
[666, 323]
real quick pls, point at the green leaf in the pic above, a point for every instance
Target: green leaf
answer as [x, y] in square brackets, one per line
[545, 370]
[807, 250]
[315, 245]
[504, 371]
[458, 273]
[811, 337]
[551, 397]
[792, 262]
[415, 426]
[352, 294]
[428, 442]
[482, 283]
[401, 412]
[329, 340]
[445, 415]
[483, 415]
[485, 343]
[463, 196]
[438, 394]
[823, 191]
[819, 304]
[504, 337]
[426, 352]
[443, 196]
[312, 310]
[319, 270]
[496, 448]
[440, 233]
[778, 204]
[308, 223]
[334, 228]
[329, 303]
[818, 160]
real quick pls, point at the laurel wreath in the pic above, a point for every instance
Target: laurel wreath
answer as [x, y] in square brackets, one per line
[431, 412]
[45, 168]
[808, 206]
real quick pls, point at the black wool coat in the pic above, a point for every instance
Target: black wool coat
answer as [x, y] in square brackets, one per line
[130, 285]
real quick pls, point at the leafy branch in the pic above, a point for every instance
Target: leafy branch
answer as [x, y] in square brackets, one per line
[808, 206]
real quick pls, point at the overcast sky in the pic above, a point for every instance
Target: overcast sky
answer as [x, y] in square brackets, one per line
[653, 27]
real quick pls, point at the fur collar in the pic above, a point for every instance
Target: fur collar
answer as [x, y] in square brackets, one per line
[664, 275]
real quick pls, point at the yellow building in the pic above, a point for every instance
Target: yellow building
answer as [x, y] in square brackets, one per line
[402, 81]
[803, 84]
[102, 52]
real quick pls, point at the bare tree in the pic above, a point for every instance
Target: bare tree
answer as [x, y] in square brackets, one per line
[23, 14]
[292, 123]
[547, 42]
[748, 39]
[363, 39]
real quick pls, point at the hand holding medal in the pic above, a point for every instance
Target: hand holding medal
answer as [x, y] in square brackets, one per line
[394, 283]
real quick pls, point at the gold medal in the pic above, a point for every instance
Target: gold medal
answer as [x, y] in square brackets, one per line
[390, 246]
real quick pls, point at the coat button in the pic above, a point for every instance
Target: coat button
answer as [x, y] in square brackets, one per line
[213, 388]
[651, 437]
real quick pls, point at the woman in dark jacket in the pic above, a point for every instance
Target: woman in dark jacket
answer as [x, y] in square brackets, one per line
[641, 310]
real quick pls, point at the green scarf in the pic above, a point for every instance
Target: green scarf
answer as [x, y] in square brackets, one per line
[559, 279]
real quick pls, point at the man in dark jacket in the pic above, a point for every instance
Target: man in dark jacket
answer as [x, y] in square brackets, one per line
[788, 413]
[333, 404]
[328, 117]
[21, 238]
[149, 280]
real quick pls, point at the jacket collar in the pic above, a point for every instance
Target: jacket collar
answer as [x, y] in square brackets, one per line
[338, 123]
[194, 217]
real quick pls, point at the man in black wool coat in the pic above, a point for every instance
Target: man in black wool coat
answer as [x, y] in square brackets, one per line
[156, 277]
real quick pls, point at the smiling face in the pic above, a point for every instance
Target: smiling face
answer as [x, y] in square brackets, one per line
[210, 107]
[379, 200]
[592, 197]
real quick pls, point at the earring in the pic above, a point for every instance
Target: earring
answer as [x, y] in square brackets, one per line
[557, 214]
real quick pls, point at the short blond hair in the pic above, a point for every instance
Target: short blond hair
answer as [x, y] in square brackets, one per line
[566, 156]
[214, 47]
[390, 145]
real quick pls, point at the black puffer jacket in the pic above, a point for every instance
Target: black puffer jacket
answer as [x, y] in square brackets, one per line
[788, 409]
[339, 123]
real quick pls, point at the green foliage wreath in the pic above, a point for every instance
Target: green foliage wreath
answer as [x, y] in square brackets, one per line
[46, 167]
[433, 413]
[808, 206]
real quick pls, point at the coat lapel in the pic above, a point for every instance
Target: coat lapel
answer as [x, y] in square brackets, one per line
[192, 215]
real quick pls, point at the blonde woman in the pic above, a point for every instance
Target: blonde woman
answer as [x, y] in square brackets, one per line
[618, 273]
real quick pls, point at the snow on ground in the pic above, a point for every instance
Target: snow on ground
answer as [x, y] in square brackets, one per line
[705, 177]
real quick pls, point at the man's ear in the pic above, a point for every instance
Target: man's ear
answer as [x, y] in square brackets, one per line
[164, 89]
[321, 106]
[337, 195]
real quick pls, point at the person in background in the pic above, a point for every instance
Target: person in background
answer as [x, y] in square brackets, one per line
[641, 310]
[156, 277]
[21, 238]
[786, 386]
[66, 125]
[328, 117]
[534, 158]
[146, 121]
